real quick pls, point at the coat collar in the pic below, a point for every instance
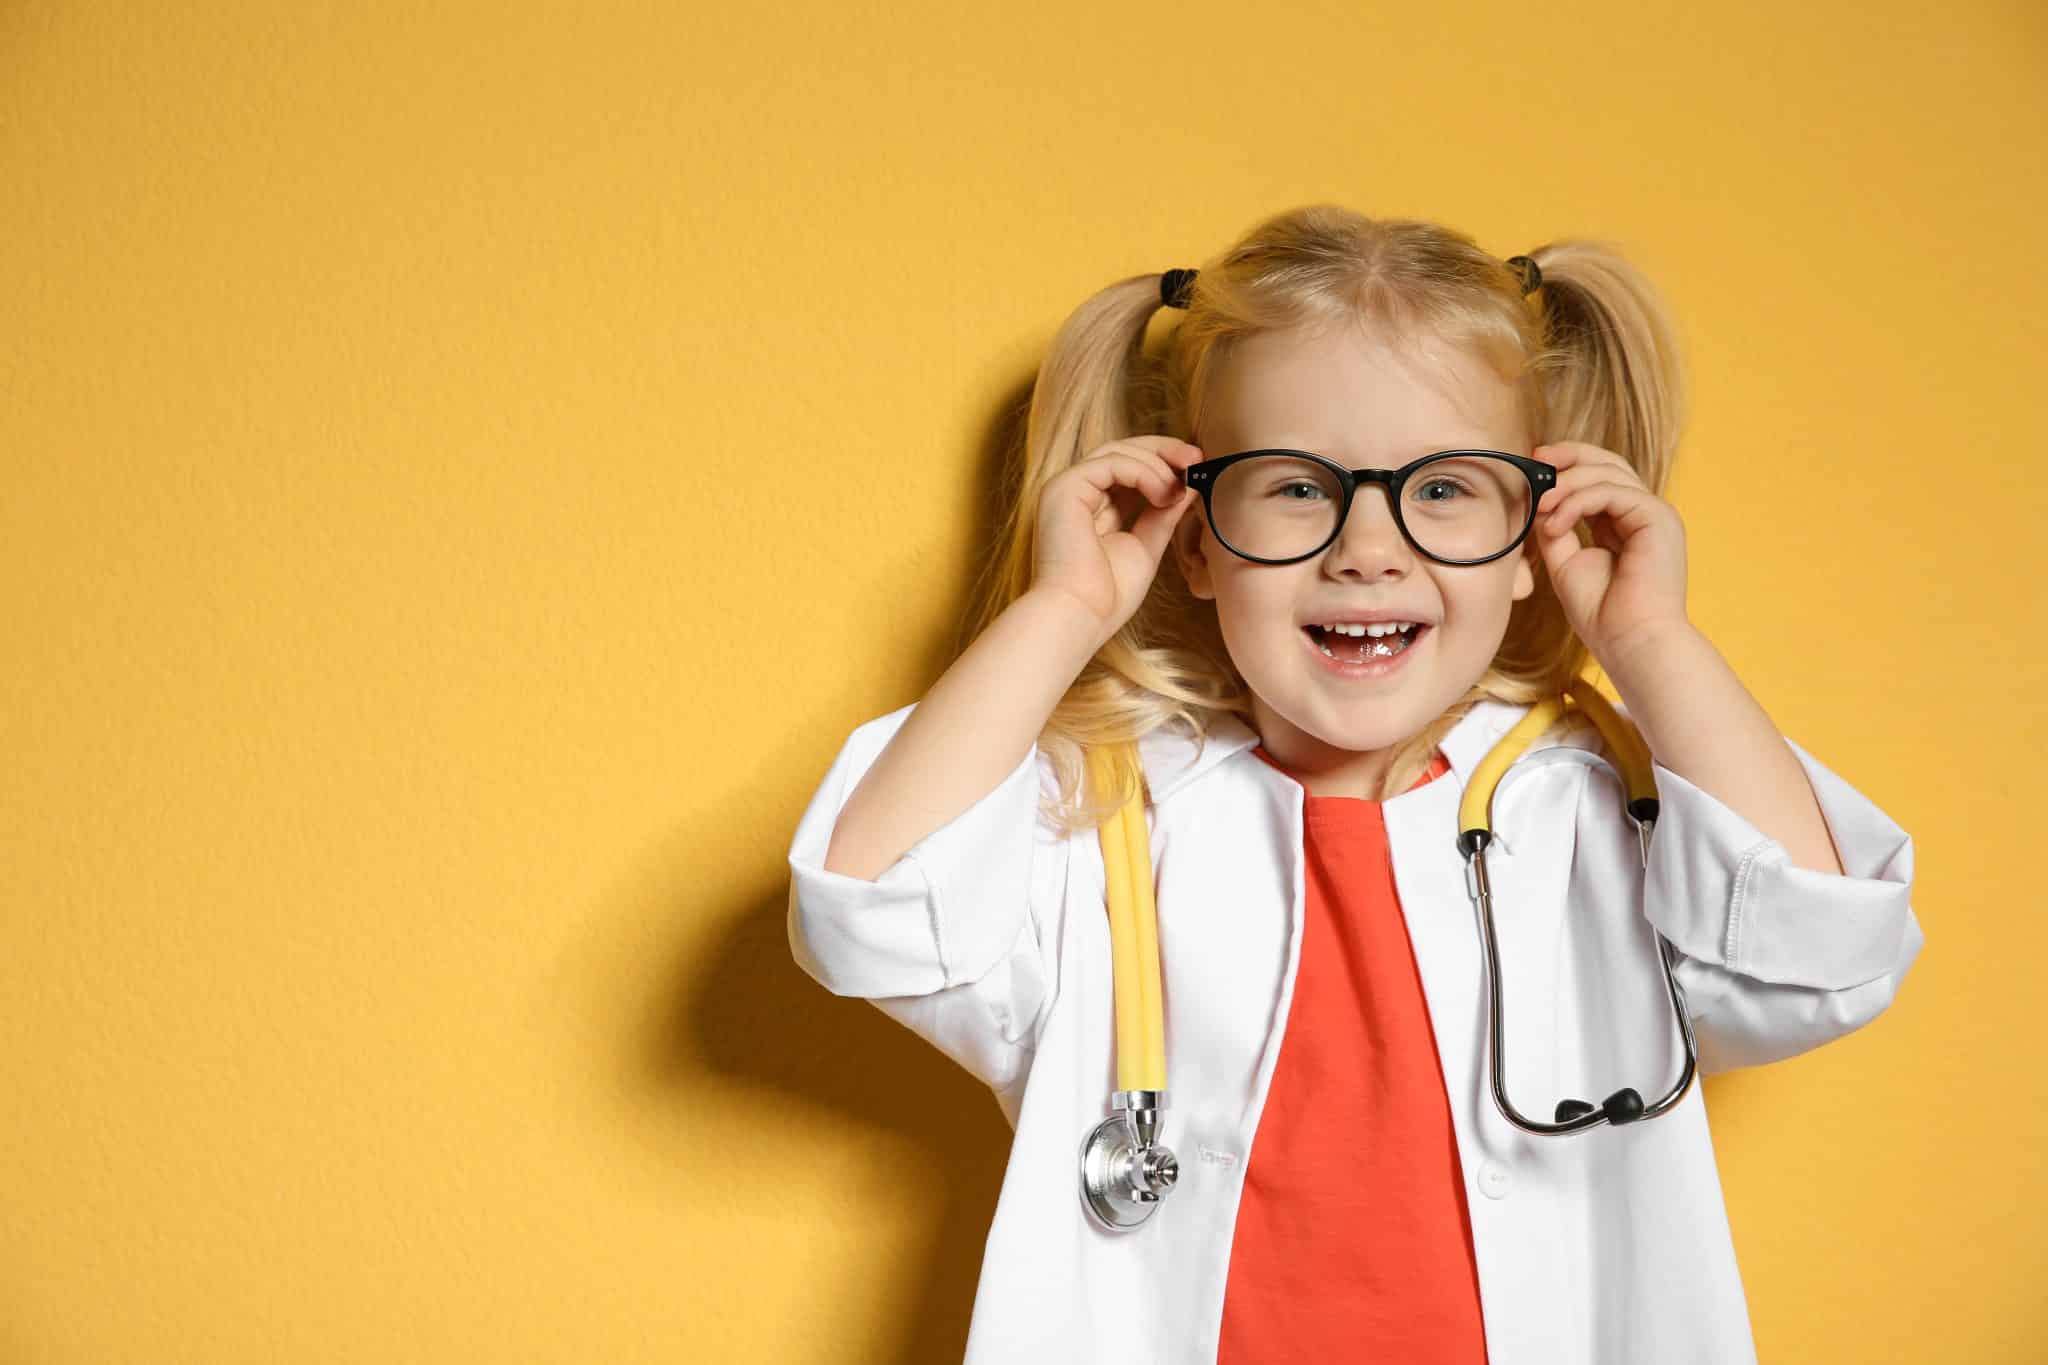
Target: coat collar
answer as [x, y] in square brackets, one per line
[1171, 761]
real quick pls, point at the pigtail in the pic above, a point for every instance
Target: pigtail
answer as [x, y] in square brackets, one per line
[1096, 384]
[1610, 368]
[1092, 387]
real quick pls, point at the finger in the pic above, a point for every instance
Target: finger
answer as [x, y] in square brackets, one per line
[1155, 525]
[1632, 508]
[1579, 454]
[1160, 445]
[1170, 461]
[1172, 453]
[1552, 536]
[1557, 549]
[1579, 575]
[1578, 572]
[1122, 467]
[1176, 456]
[1580, 504]
[1569, 480]
[1128, 504]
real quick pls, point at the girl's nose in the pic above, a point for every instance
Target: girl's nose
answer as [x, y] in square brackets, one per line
[1370, 539]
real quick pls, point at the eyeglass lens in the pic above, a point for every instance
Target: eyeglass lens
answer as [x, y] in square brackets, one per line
[1455, 506]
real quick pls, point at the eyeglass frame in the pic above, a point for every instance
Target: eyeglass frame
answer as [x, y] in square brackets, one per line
[1202, 476]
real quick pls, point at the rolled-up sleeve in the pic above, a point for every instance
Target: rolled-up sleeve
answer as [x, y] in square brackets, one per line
[945, 939]
[1779, 959]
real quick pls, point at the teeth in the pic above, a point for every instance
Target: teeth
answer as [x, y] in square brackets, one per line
[1389, 639]
[1375, 628]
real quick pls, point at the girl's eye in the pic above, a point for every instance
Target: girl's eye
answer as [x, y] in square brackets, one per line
[1287, 487]
[1449, 485]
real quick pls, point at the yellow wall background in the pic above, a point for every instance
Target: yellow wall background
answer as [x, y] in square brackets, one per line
[466, 468]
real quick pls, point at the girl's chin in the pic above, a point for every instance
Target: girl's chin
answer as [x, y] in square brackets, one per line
[1361, 741]
[1359, 727]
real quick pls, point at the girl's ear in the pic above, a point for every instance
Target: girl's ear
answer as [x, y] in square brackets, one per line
[1192, 554]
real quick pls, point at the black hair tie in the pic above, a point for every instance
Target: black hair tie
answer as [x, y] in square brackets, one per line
[1531, 274]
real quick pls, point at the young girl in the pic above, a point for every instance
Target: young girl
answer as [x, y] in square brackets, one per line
[1348, 1187]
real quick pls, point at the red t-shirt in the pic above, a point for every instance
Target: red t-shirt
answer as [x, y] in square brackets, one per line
[1353, 1241]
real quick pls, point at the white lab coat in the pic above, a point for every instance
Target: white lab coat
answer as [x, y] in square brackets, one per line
[990, 939]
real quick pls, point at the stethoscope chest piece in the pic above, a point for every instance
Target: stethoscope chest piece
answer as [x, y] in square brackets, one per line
[1125, 1171]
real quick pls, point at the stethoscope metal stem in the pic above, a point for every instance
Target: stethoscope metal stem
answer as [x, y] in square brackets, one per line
[1125, 1170]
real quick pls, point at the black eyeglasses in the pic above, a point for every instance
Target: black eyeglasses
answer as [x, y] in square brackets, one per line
[1282, 506]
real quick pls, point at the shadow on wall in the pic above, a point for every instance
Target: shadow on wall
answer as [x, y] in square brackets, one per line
[741, 1034]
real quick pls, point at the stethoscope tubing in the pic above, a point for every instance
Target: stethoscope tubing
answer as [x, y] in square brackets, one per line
[1625, 1105]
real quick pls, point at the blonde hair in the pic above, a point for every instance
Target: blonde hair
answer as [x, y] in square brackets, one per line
[1591, 355]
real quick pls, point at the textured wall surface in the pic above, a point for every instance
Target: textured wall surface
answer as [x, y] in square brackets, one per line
[464, 468]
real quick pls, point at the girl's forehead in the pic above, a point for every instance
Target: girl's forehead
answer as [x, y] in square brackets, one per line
[1339, 388]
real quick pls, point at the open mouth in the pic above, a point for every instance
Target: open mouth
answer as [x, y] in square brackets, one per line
[1361, 649]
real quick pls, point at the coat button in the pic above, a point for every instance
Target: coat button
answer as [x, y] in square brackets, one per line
[1493, 1180]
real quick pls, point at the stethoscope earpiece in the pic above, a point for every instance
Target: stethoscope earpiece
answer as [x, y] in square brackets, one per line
[1623, 1106]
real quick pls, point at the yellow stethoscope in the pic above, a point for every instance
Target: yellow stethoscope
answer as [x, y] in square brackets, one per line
[1125, 1169]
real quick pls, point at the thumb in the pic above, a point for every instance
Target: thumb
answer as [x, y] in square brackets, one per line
[1557, 549]
[1584, 586]
[1154, 527]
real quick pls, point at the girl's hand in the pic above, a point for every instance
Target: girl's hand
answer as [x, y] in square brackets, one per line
[1629, 584]
[1083, 551]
